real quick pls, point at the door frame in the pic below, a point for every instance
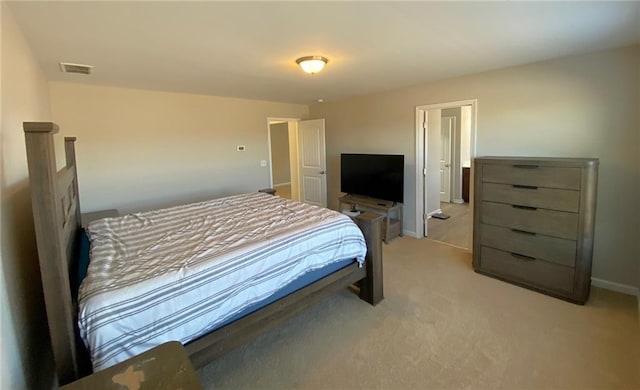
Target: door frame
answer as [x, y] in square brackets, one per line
[269, 121]
[421, 143]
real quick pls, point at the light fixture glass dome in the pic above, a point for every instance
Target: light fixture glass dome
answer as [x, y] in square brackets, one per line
[312, 64]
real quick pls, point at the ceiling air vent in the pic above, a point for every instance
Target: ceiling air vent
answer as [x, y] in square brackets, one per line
[67, 67]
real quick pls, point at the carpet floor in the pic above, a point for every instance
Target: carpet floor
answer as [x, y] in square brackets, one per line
[442, 326]
[457, 229]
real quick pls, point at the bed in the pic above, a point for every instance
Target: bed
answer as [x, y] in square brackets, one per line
[56, 209]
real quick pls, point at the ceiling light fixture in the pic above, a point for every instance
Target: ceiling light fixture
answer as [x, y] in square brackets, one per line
[312, 64]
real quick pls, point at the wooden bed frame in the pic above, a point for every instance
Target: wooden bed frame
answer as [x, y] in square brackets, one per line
[56, 214]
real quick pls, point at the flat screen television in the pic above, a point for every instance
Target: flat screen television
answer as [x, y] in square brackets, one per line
[379, 176]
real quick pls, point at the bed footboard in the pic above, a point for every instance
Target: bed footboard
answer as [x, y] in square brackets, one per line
[369, 278]
[371, 287]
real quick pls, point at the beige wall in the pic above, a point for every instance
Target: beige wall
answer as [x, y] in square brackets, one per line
[577, 106]
[146, 149]
[465, 136]
[280, 164]
[24, 343]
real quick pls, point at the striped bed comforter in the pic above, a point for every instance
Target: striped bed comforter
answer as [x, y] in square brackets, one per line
[177, 273]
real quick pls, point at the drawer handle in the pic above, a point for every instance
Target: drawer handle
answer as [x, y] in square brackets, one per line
[525, 187]
[522, 257]
[517, 206]
[523, 232]
[525, 166]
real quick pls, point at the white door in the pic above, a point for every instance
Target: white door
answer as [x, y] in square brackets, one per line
[445, 159]
[313, 162]
[431, 194]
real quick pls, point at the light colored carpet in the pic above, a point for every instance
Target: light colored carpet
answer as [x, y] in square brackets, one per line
[457, 230]
[441, 325]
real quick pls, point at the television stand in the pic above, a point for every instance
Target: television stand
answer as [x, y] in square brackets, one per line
[392, 226]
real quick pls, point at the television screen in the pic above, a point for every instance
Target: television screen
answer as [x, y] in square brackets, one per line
[379, 176]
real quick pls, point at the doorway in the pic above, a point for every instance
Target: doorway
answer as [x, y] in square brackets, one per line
[297, 159]
[283, 157]
[445, 135]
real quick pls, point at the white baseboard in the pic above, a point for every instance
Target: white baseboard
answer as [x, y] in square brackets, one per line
[409, 233]
[618, 287]
[458, 201]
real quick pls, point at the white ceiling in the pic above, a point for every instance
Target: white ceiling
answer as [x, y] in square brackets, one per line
[248, 50]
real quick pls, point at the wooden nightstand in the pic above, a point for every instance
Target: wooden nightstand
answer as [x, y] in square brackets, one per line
[270, 191]
[165, 367]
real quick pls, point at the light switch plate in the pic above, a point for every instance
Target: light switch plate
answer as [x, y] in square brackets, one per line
[263, 163]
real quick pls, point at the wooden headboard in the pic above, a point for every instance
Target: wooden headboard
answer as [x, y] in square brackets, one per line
[56, 214]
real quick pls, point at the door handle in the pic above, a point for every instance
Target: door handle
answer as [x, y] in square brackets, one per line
[517, 206]
[522, 257]
[524, 187]
[523, 232]
[322, 172]
[446, 165]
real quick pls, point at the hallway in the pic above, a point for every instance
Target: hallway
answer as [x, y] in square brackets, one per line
[457, 229]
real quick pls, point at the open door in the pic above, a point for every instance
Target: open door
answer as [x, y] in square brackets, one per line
[313, 162]
[432, 133]
[445, 159]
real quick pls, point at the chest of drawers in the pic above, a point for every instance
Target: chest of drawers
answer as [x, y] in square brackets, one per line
[534, 222]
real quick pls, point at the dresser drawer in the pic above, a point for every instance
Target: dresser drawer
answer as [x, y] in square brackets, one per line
[546, 198]
[548, 222]
[552, 249]
[533, 222]
[530, 174]
[533, 272]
